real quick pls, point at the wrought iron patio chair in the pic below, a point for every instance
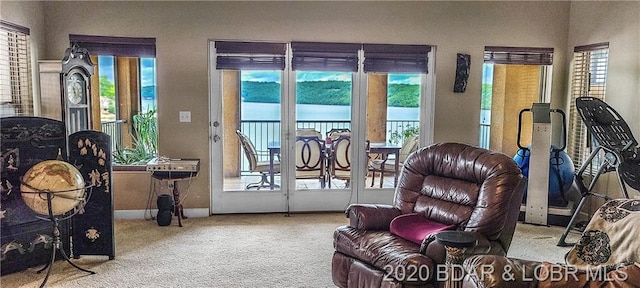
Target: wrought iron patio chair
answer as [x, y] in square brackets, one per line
[341, 159]
[255, 165]
[310, 159]
[387, 165]
[334, 133]
[308, 132]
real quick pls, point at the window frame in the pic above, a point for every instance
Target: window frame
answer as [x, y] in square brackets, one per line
[585, 74]
[127, 53]
[18, 71]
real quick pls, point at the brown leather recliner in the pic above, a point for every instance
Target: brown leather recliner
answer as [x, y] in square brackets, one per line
[470, 188]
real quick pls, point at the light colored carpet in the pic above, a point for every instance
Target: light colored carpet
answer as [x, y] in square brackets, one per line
[257, 250]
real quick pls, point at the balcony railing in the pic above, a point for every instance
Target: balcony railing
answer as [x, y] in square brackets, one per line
[114, 129]
[264, 132]
[485, 132]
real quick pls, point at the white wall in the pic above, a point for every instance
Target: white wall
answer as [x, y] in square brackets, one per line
[619, 24]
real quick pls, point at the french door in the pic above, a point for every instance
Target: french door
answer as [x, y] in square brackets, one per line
[261, 117]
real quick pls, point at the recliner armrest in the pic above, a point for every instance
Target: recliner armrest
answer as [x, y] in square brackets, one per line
[437, 251]
[371, 216]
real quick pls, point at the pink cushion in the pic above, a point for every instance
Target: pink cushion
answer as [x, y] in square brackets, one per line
[415, 227]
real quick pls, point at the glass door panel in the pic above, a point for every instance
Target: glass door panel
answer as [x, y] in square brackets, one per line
[323, 111]
[250, 118]
[253, 108]
[392, 125]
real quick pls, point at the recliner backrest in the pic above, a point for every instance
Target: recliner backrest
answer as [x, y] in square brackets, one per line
[471, 187]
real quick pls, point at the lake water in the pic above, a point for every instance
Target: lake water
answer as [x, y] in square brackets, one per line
[271, 111]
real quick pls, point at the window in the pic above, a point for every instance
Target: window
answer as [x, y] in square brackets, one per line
[106, 77]
[400, 69]
[513, 79]
[16, 96]
[324, 84]
[589, 78]
[127, 90]
[147, 84]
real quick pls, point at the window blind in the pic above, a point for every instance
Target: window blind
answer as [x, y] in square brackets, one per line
[319, 56]
[250, 55]
[396, 58]
[116, 46]
[15, 71]
[518, 55]
[589, 78]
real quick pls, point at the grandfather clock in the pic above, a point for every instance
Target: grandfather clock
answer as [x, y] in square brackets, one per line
[76, 89]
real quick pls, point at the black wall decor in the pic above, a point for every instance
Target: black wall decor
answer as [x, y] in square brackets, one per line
[463, 63]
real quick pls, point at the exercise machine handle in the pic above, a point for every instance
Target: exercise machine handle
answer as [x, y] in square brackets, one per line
[520, 127]
[563, 116]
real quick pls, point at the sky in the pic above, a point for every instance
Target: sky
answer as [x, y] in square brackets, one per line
[487, 73]
[274, 76]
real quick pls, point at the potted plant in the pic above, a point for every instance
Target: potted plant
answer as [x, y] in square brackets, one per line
[399, 136]
[145, 141]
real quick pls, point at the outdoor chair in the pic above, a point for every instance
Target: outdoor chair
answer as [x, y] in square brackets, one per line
[255, 165]
[341, 159]
[308, 132]
[377, 165]
[334, 133]
[310, 159]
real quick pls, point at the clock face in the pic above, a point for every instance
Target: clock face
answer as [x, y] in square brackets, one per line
[75, 88]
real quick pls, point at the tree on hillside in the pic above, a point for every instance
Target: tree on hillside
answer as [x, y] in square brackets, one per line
[107, 88]
[108, 91]
[486, 96]
[404, 95]
[326, 93]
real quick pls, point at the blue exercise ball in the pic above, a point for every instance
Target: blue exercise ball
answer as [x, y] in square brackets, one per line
[561, 173]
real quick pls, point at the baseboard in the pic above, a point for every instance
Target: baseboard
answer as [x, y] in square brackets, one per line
[140, 214]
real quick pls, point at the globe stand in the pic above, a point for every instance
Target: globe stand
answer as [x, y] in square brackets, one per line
[56, 241]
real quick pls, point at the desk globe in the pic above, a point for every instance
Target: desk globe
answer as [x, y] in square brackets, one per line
[53, 188]
[55, 177]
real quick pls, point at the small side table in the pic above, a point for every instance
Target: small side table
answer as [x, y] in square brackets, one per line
[455, 242]
[172, 177]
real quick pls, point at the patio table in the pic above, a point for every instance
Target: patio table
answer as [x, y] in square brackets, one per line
[385, 149]
[274, 149]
